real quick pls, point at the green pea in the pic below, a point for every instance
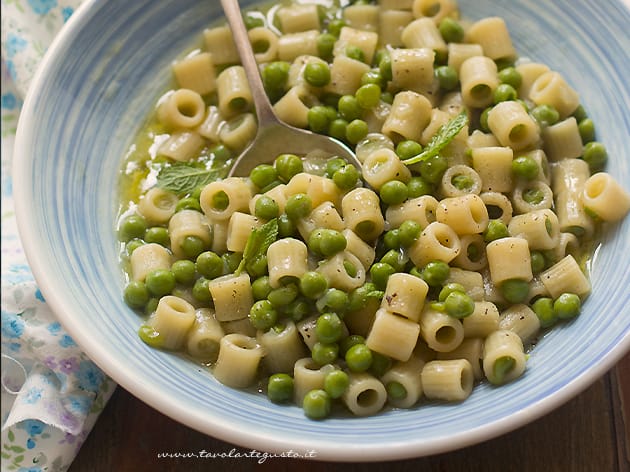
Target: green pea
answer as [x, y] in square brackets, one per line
[380, 273]
[515, 290]
[447, 77]
[184, 271]
[151, 306]
[280, 388]
[349, 341]
[201, 290]
[525, 167]
[231, 261]
[220, 152]
[432, 168]
[331, 242]
[511, 76]
[502, 366]
[355, 52]
[567, 306]
[337, 128]
[336, 383]
[538, 262]
[496, 229]
[263, 315]
[385, 67]
[136, 294]
[335, 25]
[595, 155]
[459, 305]
[333, 165]
[408, 148]
[349, 108]
[358, 358]
[451, 30]
[298, 309]
[580, 113]
[318, 119]
[543, 307]
[391, 239]
[440, 58]
[324, 353]
[262, 175]
[545, 115]
[133, 226]
[283, 295]
[288, 165]
[150, 336]
[483, 120]
[463, 182]
[395, 258]
[317, 74]
[347, 177]
[368, 95]
[313, 284]
[209, 264]
[387, 97]
[358, 298]
[435, 273]
[316, 404]
[192, 246]
[160, 282]
[274, 77]
[356, 131]
[133, 245]
[393, 192]
[329, 327]
[333, 300]
[325, 45]
[417, 187]
[586, 127]
[266, 208]
[261, 288]
[396, 390]
[380, 364]
[373, 76]
[286, 227]
[450, 288]
[298, 206]
[409, 231]
[504, 93]
[188, 203]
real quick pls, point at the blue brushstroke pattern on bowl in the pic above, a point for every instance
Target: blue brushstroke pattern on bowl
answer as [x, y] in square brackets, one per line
[96, 86]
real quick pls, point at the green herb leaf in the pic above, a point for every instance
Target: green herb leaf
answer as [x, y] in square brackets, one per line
[440, 140]
[257, 244]
[184, 178]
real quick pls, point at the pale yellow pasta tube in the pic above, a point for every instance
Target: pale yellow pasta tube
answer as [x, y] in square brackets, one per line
[479, 139]
[465, 215]
[238, 360]
[343, 271]
[473, 253]
[420, 209]
[345, 75]
[503, 357]
[361, 212]
[509, 258]
[562, 140]
[478, 77]
[494, 166]
[239, 131]
[471, 280]
[147, 258]
[423, 33]
[408, 375]
[434, 9]
[393, 335]
[605, 197]
[512, 126]
[532, 196]
[459, 52]
[529, 72]
[239, 228]
[187, 223]
[362, 17]
[441, 332]
[318, 188]
[382, 166]
[232, 296]
[211, 125]
[286, 259]
[296, 18]
[293, 45]
[324, 216]
[365, 395]
[521, 320]
[196, 73]
[540, 229]
[181, 146]
[409, 115]
[293, 107]
[493, 36]
[566, 276]
[362, 250]
[550, 88]
[390, 26]
[498, 205]
[366, 41]
[265, 44]
[470, 349]
[282, 349]
[412, 70]
[157, 205]
[204, 336]
[437, 241]
[405, 295]
[448, 187]
[220, 199]
[219, 42]
[569, 177]
[483, 320]
[307, 376]
[450, 380]
[182, 108]
[233, 91]
[172, 319]
[372, 142]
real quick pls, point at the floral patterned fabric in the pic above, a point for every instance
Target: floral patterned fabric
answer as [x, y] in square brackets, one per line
[52, 394]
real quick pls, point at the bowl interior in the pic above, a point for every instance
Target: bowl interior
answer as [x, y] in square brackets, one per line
[97, 84]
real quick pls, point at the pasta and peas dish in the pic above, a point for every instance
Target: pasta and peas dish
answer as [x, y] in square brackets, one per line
[463, 238]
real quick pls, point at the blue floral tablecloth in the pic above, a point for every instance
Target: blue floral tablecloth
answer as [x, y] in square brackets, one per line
[52, 394]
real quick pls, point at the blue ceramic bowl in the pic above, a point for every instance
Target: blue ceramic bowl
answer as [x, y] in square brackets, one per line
[99, 81]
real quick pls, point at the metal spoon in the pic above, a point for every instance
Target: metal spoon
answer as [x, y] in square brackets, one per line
[273, 137]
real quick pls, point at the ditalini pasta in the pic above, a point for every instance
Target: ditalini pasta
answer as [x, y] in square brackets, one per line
[462, 239]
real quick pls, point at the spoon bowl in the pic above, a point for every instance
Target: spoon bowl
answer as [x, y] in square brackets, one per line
[273, 137]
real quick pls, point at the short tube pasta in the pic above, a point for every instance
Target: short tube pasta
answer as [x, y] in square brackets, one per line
[420, 209]
[393, 335]
[568, 178]
[521, 320]
[449, 380]
[550, 88]
[382, 166]
[238, 360]
[540, 229]
[409, 115]
[158, 205]
[343, 271]
[509, 258]
[232, 296]
[185, 223]
[565, 276]
[361, 213]
[437, 241]
[405, 295]
[493, 36]
[503, 357]
[465, 215]
[286, 259]
[512, 126]
[282, 349]
[172, 319]
[605, 197]
[220, 199]
[233, 91]
[366, 395]
[204, 336]
[182, 108]
[478, 77]
[441, 332]
[307, 376]
[147, 258]
[408, 374]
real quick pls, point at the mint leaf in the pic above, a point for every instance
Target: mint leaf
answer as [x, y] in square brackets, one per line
[183, 178]
[257, 244]
[440, 140]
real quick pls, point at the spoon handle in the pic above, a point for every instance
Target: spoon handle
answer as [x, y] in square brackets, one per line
[264, 110]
